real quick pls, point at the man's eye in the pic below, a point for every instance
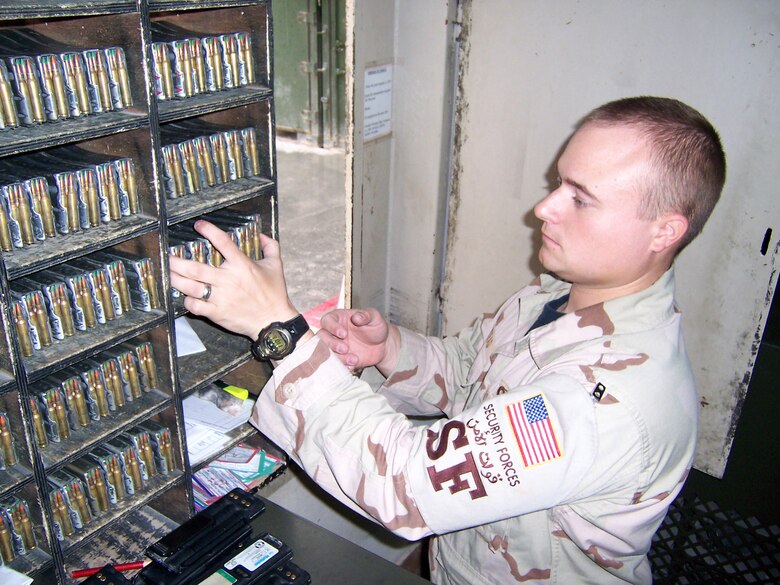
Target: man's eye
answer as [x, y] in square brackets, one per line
[579, 202]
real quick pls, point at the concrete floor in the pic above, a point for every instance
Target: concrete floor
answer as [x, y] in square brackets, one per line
[312, 221]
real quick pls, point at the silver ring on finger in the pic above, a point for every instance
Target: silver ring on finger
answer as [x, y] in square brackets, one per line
[206, 292]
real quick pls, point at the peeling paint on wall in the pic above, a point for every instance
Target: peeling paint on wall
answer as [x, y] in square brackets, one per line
[459, 139]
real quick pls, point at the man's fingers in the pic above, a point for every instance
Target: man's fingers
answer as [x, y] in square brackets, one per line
[219, 239]
[269, 246]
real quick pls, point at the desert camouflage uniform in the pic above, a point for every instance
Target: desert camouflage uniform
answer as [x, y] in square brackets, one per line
[559, 451]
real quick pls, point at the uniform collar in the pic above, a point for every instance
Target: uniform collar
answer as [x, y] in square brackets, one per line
[640, 311]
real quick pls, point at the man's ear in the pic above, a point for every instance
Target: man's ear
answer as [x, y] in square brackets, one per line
[670, 228]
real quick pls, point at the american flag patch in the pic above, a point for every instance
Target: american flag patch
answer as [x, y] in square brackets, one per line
[534, 431]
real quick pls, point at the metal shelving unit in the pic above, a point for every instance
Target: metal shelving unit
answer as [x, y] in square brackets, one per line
[136, 132]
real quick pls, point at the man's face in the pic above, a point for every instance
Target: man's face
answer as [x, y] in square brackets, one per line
[592, 235]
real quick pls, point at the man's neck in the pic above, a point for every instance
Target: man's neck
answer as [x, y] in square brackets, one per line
[582, 296]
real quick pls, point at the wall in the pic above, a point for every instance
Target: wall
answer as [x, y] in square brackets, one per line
[400, 181]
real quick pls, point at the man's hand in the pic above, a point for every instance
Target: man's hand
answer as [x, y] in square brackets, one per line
[243, 295]
[361, 338]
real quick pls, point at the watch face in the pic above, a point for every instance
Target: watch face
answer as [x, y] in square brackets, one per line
[277, 341]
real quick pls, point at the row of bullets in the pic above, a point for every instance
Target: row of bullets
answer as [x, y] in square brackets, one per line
[51, 86]
[110, 473]
[91, 390]
[205, 161]
[7, 443]
[55, 303]
[198, 65]
[17, 537]
[32, 210]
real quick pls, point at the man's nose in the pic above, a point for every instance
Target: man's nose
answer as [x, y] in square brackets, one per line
[547, 208]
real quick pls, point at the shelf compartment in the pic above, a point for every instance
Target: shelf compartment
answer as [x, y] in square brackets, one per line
[134, 145]
[205, 21]
[15, 9]
[85, 438]
[171, 110]
[126, 542]
[95, 529]
[24, 261]
[73, 349]
[78, 34]
[217, 197]
[225, 351]
[39, 557]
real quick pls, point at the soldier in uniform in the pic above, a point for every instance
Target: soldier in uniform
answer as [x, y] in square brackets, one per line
[563, 424]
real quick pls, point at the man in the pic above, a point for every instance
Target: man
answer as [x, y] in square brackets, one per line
[567, 418]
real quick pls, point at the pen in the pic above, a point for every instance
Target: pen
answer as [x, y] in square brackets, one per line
[79, 573]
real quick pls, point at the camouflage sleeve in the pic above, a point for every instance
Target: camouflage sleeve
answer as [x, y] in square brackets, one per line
[430, 377]
[525, 450]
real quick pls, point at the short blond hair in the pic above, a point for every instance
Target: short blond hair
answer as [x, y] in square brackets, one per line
[687, 155]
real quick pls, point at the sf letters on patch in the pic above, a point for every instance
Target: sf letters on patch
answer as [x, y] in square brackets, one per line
[461, 476]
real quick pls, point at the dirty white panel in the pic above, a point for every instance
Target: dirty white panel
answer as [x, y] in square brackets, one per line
[532, 68]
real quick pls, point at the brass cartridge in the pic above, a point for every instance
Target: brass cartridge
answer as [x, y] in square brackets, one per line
[60, 415]
[61, 95]
[22, 329]
[175, 172]
[131, 462]
[114, 382]
[62, 309]
[5, 231]
[126, 170]
[115, 472]
[99, 77]
[76, 79]
[119, 281]
[130, 372]
[214, 63]
[219, 146]
[146, 359]
[7, 105]
[147, 274]
[167, 450]
[20, 212]
[84, 300]
[145, 451]
[6, 545]
[118, 67]
[103, 291]
[7, 442]
[191, 164]
[40, 433]
[205, 161]
[39, 192]
[100, 489]
[233, 138]
[27, 532]
[110, 190]
[81, 502]
[36, 308]
[245, 50]
[89, 194]
[250, 146]
[97, 390]
[198, 65]
[62, 513]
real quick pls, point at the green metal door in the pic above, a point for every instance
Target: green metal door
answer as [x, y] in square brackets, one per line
[309, 84]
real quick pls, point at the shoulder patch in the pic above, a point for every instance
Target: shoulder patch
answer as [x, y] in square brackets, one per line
[534, 431]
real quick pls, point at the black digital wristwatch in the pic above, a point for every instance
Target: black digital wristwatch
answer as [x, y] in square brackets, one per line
[277, 340]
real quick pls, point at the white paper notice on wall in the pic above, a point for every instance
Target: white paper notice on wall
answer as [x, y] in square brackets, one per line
[378, 101]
